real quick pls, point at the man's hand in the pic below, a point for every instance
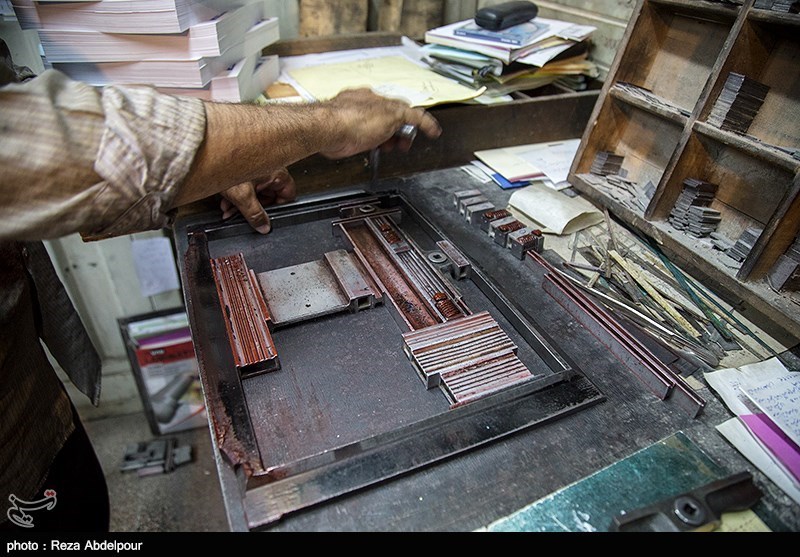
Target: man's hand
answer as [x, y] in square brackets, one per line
[242, 139]
[249, 198]
[363, 120]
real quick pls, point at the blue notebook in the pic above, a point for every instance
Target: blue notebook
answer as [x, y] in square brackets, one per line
[517, 35]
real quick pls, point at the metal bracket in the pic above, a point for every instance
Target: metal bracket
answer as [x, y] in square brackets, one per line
[697, 510]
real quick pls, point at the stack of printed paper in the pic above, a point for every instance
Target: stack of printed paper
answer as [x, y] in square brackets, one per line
[206, 48]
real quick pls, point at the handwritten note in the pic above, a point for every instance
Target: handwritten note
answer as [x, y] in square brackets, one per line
[728, 382]
[155, 265]
[778, 398]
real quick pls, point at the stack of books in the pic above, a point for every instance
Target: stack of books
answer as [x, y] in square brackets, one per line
[204, 48]
[520, 58]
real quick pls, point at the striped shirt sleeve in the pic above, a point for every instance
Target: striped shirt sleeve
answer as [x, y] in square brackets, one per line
[102, 162]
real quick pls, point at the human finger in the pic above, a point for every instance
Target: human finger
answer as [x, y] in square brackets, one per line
[243, 196]
[279, 187]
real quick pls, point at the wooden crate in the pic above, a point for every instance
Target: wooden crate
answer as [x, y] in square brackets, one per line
[681, 52]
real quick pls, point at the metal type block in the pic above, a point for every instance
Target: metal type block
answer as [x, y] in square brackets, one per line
[490, 216]
[247, 318]
[459, 344]
[459, 265]
[495, 224]
[473, 212]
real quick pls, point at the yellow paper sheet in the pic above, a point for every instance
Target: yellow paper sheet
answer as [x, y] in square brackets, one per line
[390, 76]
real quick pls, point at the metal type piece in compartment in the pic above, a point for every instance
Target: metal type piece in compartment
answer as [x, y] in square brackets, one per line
[297, 438]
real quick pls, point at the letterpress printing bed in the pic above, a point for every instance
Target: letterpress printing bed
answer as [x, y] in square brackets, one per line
[343, 431]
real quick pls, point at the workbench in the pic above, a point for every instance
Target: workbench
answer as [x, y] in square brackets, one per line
[614, 414]
[470, 490]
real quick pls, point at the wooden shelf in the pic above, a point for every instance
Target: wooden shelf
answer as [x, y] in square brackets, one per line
[701, 7]
[750, 146]
[645, 139]
[672, 54]
[777, 18]
[662, 109]
[682, 53]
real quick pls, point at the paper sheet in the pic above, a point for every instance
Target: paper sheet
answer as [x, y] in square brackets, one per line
[391, 76]
[548, 162]
[551, 211]
[155, 265]
[509, 165]
[774, 457]
[739, 436]
[727, 382]
[778, 398]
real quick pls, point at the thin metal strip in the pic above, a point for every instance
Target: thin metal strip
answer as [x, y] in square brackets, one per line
[315, 480]
[649, 369]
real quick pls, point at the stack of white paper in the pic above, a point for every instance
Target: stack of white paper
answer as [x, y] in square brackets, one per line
[169, 44]
[246, 80]
[211, 37]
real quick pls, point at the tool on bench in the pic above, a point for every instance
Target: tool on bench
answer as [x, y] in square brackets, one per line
[697, 510]
[407, 131]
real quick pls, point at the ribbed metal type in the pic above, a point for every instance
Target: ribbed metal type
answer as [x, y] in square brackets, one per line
[246, 315]
[468, 357]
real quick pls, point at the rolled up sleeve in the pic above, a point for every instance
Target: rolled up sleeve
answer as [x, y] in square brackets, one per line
[102, 162]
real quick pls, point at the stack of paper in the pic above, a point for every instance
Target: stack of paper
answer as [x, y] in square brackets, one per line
[389, 71]
[522, 57]
[520, 165]
[204, 48]
[765, 397]
[117, 16]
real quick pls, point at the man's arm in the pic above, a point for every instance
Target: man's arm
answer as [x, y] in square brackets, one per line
[245, 143]
[117, 160]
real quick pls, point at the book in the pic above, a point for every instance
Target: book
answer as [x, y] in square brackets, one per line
[208, 38]
[507, 53]
[243, 82]
[517, 35]
[125, 16]
[197, 72]
[155, 326]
